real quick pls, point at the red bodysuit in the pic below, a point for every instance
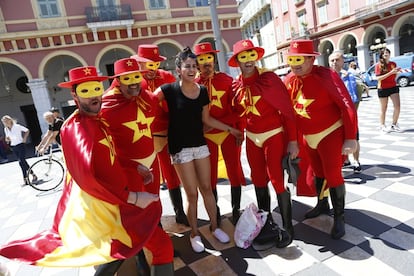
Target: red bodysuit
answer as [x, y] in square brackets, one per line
[221, 94]
[169, 174]
[263, 101]
[132, 122]
[326, 117]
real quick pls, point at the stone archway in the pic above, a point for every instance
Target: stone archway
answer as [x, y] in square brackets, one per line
[107, 60]
[376, 41]
[16, 98]
[406, 35]
[325, 48]
[169, 51]
[349, 45]
[56, 71]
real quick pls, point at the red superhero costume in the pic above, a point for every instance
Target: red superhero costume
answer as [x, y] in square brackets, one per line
[132, 116]
[221, 94]
[160, 137]
[93, 223]
[326, 117]
[132, 122]
[265, 104]
[220, 91]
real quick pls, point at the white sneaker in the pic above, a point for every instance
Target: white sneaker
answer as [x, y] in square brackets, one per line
[384, 129]
[221, 235]
[197, 244]
[395, 128]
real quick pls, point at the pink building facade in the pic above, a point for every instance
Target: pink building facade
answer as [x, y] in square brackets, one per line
[358, 28]
[41, 40]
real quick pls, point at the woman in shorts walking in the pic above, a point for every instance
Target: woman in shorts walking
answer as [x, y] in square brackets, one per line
[386, 71]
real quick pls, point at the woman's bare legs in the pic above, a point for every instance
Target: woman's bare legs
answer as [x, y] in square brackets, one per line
[193, 175]
[188, 176]
[395, 98]
[384, 103]
[202, 167]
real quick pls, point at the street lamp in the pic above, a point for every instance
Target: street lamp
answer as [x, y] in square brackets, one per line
[375, 48]
[217, 36]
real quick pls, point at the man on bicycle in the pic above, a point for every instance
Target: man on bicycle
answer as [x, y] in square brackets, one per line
[53, 133]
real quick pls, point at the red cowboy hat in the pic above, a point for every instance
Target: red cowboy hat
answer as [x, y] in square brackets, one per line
[82, 74]
[148, 53]
[302, 47]
[243, 45]
[126, 66]
[204, 48]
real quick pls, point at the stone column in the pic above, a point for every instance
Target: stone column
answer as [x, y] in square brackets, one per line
[41, 100]
[363, 57]
[393, 43]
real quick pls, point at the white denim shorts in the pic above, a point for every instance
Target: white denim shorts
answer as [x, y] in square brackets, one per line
[189, 154]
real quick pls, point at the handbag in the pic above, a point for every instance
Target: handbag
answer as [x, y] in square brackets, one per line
[249, 225]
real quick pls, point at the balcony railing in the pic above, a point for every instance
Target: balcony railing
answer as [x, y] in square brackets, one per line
[379, 7]
[108, 13]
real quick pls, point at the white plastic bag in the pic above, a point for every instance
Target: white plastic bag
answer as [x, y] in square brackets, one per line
[249, 225]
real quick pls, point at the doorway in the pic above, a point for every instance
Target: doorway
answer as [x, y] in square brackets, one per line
[32, 123]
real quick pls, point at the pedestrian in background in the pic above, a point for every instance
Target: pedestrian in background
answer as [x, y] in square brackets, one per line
[386, 72]
[188, 111]
[336, 62]
[220, 92]
[263, 101]
[56, 113]
[326, 117]
[16, 136]
[53, 133]
[354, 70]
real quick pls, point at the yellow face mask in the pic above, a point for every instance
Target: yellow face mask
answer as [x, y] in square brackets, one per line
[90, 89]
[132, 78]
[296, 60]
[246, 56]
[205, 58]
[152, 65]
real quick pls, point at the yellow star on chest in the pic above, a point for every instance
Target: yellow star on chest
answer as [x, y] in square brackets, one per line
[107, 141]
[251, 105]
[301, 105]
[141, 126]
[216, 97]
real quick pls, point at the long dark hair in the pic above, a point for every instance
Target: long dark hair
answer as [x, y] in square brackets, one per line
[382, 61]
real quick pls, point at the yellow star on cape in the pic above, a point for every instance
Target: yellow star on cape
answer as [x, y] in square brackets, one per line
[107, 141]
[216, 97]
[141, 126]
[251, 105]
[301, 104]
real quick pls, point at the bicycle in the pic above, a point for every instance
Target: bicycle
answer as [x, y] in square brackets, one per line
[47, 173]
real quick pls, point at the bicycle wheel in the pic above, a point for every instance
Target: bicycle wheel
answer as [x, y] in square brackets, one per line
[49, 173]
